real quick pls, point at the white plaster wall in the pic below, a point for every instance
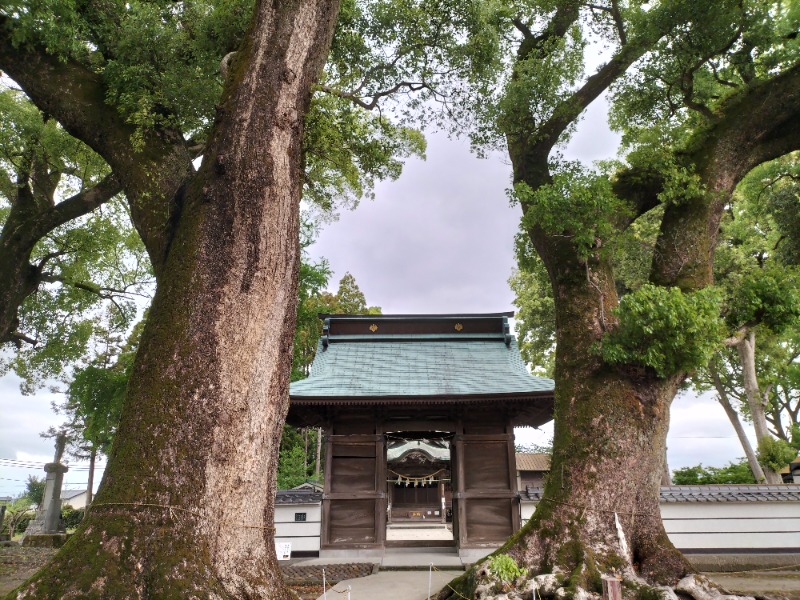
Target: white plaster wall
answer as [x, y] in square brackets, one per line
[724, 525]
[75, 502]
[304, 536]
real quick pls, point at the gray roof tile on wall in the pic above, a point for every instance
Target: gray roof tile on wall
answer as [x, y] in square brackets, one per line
[709, 493]
[298, 497]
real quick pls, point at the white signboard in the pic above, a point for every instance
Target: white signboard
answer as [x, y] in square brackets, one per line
[283, 550]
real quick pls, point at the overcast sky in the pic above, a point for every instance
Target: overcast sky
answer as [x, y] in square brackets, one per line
[438, 240]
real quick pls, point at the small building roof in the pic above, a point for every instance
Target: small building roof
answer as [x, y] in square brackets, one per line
[69, 494]
[305, 496]
[397, 356]
[530, 461]
[435, 451]
[708, 493]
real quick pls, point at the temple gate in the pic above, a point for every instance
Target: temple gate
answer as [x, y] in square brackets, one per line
[454, 378]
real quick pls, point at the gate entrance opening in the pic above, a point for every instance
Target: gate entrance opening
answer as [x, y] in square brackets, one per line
[419, 490]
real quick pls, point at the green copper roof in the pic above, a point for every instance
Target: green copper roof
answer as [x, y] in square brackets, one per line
[418, 365]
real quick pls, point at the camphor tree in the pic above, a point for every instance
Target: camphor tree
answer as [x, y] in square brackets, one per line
[186, 505]
[209, 384]
[703, 93]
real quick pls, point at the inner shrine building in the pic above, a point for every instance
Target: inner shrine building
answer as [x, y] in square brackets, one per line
[418, 412]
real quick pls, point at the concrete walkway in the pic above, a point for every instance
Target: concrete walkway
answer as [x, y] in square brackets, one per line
[399, 558]
[391, 585]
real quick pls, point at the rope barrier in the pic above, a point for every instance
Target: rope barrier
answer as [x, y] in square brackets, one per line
[172, 509]
[452, 589]
[600, 510]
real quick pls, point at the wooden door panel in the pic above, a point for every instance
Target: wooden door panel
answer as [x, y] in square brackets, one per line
[485, 466]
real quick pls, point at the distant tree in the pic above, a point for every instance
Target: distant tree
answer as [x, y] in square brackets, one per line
[34, 490]
[756, 268]
[291, 468]
[733, 472]
[18, 515]
[534, 448]
[313, 301]
[350, 300]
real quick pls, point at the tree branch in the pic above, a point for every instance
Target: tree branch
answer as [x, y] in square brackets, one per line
[374, 98]
[76, 97]
[84, 202]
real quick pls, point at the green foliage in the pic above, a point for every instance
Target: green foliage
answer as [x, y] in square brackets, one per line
[160, 60]
[733, 472]
[632, 251]
[794, 436]
[71, 517]
[160, 63]
[347, 150]
[708, 53]
[94, 263]
[96, 394]
[291, 470]
[755, 270]
[34, 489]
[775, 454]
[541, 83]
[768, 296]
[505, 568]
[665, 330]
[578, 204]
[535, 318]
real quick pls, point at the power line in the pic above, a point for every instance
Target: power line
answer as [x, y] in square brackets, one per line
[10, 462]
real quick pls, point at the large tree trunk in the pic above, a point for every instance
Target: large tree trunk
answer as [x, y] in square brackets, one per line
[600, 509]
[187, 502]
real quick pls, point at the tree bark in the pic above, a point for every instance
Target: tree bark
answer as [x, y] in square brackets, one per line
[187, 502]
[733, 416]
[666, 475]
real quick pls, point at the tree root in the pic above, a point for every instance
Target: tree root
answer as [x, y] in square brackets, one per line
[482, 584]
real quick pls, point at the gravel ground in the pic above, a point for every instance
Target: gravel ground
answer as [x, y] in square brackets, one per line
[18, 563]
